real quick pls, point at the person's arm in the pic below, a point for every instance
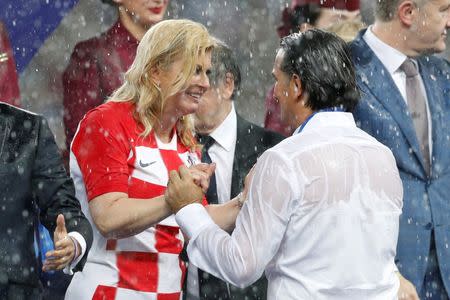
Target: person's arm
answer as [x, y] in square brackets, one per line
[242, 257]
[224, 215]
[55, 194]
[117, 216]
[406, 291]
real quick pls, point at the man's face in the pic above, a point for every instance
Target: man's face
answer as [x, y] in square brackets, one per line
[430, 27]
[330, 16]
[282, 91]
[145, 12]
[214, 106]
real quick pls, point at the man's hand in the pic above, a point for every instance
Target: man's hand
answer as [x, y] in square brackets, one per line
[201, 173]
[407, 291]
[64, 251]
[182, 190]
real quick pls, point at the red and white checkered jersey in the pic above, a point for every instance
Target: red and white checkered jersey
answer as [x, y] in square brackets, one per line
[108, 154]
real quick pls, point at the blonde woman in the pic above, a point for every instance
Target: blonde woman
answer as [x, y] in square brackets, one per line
[120, 159]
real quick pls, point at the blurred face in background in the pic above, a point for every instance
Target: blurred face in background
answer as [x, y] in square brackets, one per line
[215, 105]
[144, 12]
[430, 27]
[330, 16]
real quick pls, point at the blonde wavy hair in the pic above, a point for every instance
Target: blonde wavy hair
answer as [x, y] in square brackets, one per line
[162, 45]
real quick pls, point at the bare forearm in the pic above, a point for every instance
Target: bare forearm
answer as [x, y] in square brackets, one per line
[124, 217]
[224, 215]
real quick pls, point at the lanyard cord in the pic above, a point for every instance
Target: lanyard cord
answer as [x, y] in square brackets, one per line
[331, 109]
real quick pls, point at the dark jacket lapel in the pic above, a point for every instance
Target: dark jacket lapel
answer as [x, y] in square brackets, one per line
[241, 152]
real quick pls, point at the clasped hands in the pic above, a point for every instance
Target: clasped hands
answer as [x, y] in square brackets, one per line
[188, 185]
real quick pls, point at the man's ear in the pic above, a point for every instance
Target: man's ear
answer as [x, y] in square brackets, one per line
[407, 12]
[304, 27]
[296, 86]
[228, 85]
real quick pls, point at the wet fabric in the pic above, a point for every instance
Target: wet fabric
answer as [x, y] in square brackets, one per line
[322, 201]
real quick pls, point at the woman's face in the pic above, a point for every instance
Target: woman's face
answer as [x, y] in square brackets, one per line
[187, 100]
[145, 12]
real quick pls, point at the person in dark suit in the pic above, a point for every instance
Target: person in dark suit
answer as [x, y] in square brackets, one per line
[234, 145]
[406, 105]
[35, 187]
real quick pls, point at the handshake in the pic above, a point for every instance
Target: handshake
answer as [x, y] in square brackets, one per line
[188, 185]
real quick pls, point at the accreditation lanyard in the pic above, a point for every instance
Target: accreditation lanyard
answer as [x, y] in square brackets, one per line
[331, 109]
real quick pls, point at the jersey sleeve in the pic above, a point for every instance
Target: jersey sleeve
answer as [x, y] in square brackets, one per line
[102, 150]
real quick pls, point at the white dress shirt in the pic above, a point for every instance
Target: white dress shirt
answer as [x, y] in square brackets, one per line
[80, 239]
[392, 59]
[321, 218]
[222, 153]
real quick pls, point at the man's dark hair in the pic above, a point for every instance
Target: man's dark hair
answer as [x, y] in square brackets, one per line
[223, 61]
[308, 13]
[385, 9]
[322, 61]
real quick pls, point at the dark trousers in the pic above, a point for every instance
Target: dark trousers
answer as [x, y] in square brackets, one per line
[433, 288]
[20, 292]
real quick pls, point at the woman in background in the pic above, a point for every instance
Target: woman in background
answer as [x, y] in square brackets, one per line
[97, 65]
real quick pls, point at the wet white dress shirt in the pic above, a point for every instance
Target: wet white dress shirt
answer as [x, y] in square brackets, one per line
[321, 218]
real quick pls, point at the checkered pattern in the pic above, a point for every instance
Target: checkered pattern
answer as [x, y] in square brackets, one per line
[109, 155]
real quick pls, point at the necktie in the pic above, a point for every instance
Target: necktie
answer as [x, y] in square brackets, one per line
[417, 107]
[207, 142]
[210, 287]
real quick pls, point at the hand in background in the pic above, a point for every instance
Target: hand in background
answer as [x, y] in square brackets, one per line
[407, 291]
[182, 190]
[201, 173]
[64, 251]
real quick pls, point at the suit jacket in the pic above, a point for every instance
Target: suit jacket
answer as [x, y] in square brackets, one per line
[34, 185]
[251, 142]
[383, 113]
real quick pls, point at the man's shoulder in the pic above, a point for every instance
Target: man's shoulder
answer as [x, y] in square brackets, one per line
[95, 44]
[16, 113]
[436, 65]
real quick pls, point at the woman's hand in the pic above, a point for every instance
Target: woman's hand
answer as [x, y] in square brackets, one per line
[201, 173]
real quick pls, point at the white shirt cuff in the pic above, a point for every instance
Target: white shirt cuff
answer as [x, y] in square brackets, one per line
[192, 219]
[80, 239]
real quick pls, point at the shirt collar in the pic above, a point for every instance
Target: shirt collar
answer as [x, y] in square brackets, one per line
[225, 134]
[390, 57]
[328, 119]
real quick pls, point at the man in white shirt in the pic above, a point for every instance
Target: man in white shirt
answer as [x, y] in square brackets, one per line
[236, 144]
[322, 211]
[405, 105]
